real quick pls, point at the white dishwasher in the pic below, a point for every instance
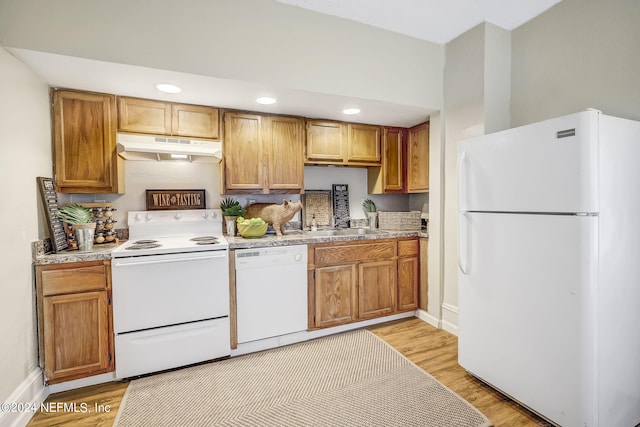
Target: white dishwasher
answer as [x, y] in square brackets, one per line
[271, 291]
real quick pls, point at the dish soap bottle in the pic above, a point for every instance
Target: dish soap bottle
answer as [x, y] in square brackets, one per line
[314, 223]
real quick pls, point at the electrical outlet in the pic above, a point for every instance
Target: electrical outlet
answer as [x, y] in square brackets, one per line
[252, 201]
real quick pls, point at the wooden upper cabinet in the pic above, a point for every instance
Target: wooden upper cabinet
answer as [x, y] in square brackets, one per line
[137, 115]
[345, 144]
[325, 141]
[84, 139]
[195, 121]
[283, 140]
[144, 116]
[390, 177]
[418, 159]
[243, 153]
[363, 144]
[263, 154]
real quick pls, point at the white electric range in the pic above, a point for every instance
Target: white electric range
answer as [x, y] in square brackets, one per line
[170, 284]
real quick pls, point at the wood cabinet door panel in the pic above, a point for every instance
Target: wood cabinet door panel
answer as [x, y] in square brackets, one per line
[85, 142]
[325, 141]
[408, 276]
[284, 153]
[354, 253]
[376, 289]
[195, 121]
[69, 280]
[335, 293]
[76, 335]
[363, 144]
[408, 247]
[144, 116]
[243, 152]
[393, 160]
[418, 159]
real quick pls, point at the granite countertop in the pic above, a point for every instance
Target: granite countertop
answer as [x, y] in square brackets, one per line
[99, 252]
[291, 237]
[298, 237]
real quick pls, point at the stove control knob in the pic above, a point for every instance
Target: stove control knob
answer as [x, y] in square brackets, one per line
[214, 214]
[148, 217]
[178, 216]
[204, 214]
[138, 217]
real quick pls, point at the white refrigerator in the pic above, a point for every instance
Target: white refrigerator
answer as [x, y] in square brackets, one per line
[549, 267]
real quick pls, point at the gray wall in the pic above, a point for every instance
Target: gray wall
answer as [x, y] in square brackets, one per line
[579, 54]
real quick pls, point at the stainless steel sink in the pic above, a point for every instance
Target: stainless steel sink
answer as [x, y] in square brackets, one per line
[343, 232]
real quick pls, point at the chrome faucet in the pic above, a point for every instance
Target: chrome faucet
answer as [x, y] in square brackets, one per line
[337, 222]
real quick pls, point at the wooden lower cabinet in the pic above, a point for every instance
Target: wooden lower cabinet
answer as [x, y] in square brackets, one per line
[74, 320]
[336, 299]
[359, 280]
[408, 274]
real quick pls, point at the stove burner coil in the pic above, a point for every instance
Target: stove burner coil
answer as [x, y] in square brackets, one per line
[207, 239]
[137, 245]
[207, 242]
[144, 242]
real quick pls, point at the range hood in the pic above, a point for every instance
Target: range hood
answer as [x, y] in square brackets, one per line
[149, 147]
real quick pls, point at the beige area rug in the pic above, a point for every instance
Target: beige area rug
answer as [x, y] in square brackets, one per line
[349, 379]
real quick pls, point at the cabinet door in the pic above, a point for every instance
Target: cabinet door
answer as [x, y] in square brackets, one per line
[363, 144]
[195, 121]
[335, 292]
[393, 168]
[423, 299]
[144, 116]
[76, 335]
[85, 143]
[418, 159]
[325, 141]
[244, 162]
[408, 273]
[376, 289]
[283, 140]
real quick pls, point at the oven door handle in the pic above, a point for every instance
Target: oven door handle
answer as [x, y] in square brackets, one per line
[165, 260]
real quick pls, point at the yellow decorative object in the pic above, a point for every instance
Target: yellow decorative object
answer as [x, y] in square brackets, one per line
[249, 231]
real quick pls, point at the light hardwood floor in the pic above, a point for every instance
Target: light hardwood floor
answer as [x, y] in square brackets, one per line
[432, 349]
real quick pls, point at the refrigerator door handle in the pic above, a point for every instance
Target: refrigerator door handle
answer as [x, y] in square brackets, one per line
[462, 179]
[464, 239]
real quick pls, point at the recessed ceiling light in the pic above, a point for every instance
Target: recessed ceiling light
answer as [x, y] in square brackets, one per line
[168, 88]
[351, 111]
[266, 100]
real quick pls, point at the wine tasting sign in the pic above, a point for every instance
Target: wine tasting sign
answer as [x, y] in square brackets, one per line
[158, 200]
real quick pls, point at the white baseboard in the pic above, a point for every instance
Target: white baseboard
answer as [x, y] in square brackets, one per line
[82, 382]
[28, 396]
[450, 318]
[428, 318]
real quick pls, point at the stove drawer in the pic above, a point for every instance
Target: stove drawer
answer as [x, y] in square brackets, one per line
[143, 352]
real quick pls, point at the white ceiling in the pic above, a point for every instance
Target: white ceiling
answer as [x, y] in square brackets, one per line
[437, 21]
[434, 20]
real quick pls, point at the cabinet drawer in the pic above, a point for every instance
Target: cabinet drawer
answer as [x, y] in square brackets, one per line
[341, 254]
[69, 280]
[408, 248]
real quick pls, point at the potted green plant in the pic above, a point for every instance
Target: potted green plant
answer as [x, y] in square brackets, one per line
[371, 211]
[231, 210]
[81, 221]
